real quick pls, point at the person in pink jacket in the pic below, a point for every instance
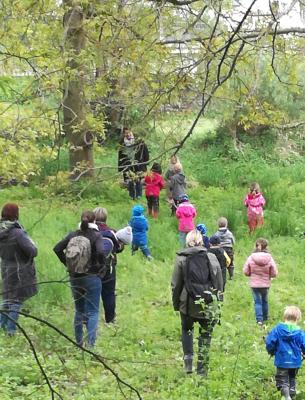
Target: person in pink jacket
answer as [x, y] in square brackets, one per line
[260, 267]
[255, 202]
[185, 213]
[154, 183]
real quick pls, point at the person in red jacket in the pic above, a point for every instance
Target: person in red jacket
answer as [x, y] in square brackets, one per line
[153, 185]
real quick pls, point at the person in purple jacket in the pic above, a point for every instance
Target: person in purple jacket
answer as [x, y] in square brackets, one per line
[260, 267]
[17, 253]
[286, 342]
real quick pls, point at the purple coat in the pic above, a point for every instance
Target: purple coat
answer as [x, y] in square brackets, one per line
[17, 252]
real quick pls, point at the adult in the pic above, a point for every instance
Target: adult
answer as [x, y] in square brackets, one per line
[17, 253]
[86, 286]
[113, 243]
[194, 259]
[133, 157]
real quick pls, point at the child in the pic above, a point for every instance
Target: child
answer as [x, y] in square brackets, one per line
[185, 213]
[169, 173]
[286, 342]
[227, 242]
[255, 201]
[139, 227]
[260, 267]
[222, 257]
[154, 183]
[177, 186]
[203, 230]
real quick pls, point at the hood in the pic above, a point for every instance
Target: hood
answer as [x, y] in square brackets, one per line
[6, 226]
[191, 250]
[261, 258]
[288, 332]
[179, 178]
[137, 210]
[186, 209]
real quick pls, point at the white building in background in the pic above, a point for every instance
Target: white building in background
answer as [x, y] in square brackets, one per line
[289, 13]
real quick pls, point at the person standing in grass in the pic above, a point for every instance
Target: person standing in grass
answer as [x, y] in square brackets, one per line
[82, 253]
[113, 243]
[185, 213]
[260, 268]
[170, 172]
[286, 342]
[222, 257]
[196, 283]
[227, 241]
[203, 230]
[154, 183]
[17, 253]
[139, 227]
[177, 186]
[254, 201]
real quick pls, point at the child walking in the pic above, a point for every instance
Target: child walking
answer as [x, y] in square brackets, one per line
[177, 186]
[255, 202]
[227, 241]
[185, 213]
[260, 267]
[286, 342]
[203, 230]
[170, 172]
[154, 183]
[222, 257]
[139, 227]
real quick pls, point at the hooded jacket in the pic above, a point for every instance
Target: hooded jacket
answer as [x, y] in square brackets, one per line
[260, 267]
[226, 237]
[186, 213]
[181, 301]
[17, 252]
[154, 183]
[133, 158]
[287, 343]
[177, 185]
[255, 203]
[139, 226]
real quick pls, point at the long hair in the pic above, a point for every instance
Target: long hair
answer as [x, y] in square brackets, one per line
[86, 218]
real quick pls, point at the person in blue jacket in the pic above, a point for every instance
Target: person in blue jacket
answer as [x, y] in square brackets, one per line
[139, 227]
[286, 342]
[203, 230]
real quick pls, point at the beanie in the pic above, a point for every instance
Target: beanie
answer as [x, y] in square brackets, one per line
[214, 240]
[125, 235]
[201, 228]
[10, 211]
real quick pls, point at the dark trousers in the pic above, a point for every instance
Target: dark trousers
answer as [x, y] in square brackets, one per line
[108, 295]
[152, 204]
[230, 252]
[204, 340]
[285, 379]
[135, 188]
[175, 206]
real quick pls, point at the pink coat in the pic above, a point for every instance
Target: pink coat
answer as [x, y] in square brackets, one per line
[186, 213]
[260, 267]
[255, 204]
[154, 183]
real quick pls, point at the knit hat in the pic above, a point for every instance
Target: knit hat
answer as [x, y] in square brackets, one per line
[183, 198]
[125, 235]
[201, 228]
[214, 240]
[10, 211]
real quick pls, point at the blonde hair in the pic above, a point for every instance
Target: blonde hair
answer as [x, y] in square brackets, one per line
[261, 244]
[177, 167]
[254, 186]
[222, 222]
[101, 214]
[292, 313]
[194, 238]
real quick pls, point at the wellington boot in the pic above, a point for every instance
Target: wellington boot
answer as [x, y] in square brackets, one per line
[155, 214]
[285, 393]
[188, 364]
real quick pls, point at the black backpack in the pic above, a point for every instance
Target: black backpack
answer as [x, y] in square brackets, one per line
[197, 282]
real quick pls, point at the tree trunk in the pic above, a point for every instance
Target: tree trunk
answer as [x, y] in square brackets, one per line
[74, 103]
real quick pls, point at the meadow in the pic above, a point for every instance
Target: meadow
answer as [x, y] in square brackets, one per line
[144, 347]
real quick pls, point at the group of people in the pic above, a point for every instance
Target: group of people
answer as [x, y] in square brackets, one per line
[199, 277]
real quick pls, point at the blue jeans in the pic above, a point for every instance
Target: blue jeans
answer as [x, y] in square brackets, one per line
[182, 238]
[7, 318]
[260, 297]
[86, 291]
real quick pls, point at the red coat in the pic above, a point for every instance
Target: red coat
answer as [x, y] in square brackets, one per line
[154, 183]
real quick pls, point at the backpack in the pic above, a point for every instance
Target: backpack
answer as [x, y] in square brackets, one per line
[78, 255]
[197, 281]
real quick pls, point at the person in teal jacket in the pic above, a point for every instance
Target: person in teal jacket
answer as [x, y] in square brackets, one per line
[286, 342]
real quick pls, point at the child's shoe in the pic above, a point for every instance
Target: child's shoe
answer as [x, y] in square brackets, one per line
[285, 393]
[149, 258]
[188, 364]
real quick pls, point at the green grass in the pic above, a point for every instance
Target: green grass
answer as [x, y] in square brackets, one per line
[144, 348]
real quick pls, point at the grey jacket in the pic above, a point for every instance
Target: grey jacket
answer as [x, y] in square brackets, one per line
[17, 252]
[181, 301]
[177, 186]
[226, 237]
